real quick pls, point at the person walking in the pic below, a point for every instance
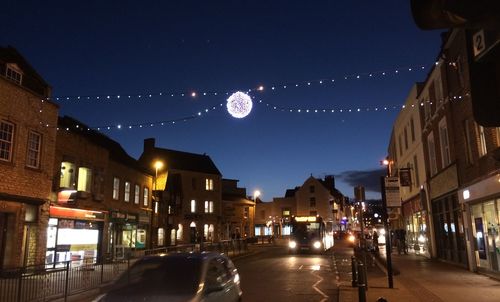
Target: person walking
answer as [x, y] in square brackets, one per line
[375, 241]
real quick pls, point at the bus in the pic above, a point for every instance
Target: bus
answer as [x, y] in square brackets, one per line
[309, 233]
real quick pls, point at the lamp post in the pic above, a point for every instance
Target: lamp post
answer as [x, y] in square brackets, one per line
[388, 248]
[157, 165]
[256, 195]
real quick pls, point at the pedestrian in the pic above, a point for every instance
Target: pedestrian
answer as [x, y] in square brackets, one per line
[375, 241]
[403, 241]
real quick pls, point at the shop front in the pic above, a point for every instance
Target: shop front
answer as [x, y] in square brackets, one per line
[73, 235]
[449, 229]
[126, 234]
[416, 222]
[483, 199]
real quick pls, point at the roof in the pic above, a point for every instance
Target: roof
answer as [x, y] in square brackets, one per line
[116, 151]
[179, 160]
[31, 79]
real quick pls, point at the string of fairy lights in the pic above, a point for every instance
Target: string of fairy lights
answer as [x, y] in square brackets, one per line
[261, 88]
[275, 87]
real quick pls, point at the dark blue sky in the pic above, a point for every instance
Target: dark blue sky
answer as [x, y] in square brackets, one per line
[145, 47]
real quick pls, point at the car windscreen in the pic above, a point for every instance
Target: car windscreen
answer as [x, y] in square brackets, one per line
[162, 276]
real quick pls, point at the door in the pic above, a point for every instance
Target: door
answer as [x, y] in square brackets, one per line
[3, 233]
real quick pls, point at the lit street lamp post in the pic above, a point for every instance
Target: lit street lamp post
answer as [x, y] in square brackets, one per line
[388, 248]
[154, 209]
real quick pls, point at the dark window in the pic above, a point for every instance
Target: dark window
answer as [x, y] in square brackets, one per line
[312, 201]
[193, 183]
[311, 189]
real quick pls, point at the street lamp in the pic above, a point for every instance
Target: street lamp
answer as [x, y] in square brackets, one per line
[157, 165]
[256, 195]
[388, 248]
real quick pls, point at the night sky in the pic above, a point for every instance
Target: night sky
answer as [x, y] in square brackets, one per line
[137, 48]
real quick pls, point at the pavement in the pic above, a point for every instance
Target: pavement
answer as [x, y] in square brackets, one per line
[418, 278]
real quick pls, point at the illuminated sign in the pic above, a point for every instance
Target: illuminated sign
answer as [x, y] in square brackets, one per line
[306, 219]
[66, 196]
[75, 213]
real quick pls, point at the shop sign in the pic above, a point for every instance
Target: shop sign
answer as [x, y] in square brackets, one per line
[75, 213]
[66, 197]
[144, 218]
[392, 196]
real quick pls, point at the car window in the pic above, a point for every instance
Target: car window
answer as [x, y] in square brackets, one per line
[217, 274]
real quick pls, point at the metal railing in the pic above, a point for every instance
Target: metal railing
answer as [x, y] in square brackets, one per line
[41, 283]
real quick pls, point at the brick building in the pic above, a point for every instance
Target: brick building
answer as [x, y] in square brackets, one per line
[102, 198]
[189, 195]
[27, 144]
[238, 211]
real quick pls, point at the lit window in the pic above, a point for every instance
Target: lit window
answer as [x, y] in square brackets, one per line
[210, 206]
[137, 194]
[445, 146]
[126, 197]
[67, 179]
[146, 197]
[209, 184]
[6, 140]
[432, 154]
[482, 141]
[161, 236]
[34, 147]
[116, 188]
[84, 179]
[193, 206]
[179, 232]
[13, 74]
[205, 232]
[206, 206]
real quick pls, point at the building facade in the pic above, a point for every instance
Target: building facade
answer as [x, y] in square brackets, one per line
[409, 165]
[28, 122]
[101, 205]
[189, 195]
[238, 212]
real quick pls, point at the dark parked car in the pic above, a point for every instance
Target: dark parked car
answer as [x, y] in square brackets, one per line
[178, 277]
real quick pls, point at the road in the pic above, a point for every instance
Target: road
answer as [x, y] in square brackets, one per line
[274, 275]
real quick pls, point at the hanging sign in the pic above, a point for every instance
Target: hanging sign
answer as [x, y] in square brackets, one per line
[392, 196]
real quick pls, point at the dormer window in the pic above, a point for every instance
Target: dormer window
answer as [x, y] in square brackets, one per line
[13, 73]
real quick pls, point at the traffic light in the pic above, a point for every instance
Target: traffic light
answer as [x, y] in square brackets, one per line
[436, 14]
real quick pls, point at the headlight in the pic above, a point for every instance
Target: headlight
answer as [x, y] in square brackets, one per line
[317, 244]
[351, 238]
[292, 244]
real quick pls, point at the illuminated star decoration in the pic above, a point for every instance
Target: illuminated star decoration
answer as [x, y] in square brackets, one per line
[239, 104]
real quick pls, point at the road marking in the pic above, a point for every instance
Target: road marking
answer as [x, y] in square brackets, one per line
[325, 296]
[300, 267]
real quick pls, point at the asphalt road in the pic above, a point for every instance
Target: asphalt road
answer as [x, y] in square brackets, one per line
[274, 275]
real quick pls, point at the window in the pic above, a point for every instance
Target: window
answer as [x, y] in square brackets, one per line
[406, 138]
[412, 130]
[193, 183]
[497, 132]
[84, 179]
[262, 214]
[312, 201]
[34, 147]
[311, 189]
[400, 145]
[445, 145]
[13, 74]
[126, 196]
[468, 145]
[439, 92]
[205, 232]
[246, 212]
[432, 154]
[482, 141]
[209, 184]
[67, 179]
[116, 188]
[161, 236]
[415, 167]
[285, 212]
[6, 140]
[193, 206]
[137, 194]
[209, 206]
[145, 200]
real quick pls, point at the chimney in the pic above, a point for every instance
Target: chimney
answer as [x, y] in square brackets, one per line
[330, 182]
[149, 144]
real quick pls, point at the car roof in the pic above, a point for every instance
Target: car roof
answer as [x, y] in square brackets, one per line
[193, 255]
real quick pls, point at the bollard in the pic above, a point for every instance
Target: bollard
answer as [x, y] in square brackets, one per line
[361, 283]
[354, 268]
